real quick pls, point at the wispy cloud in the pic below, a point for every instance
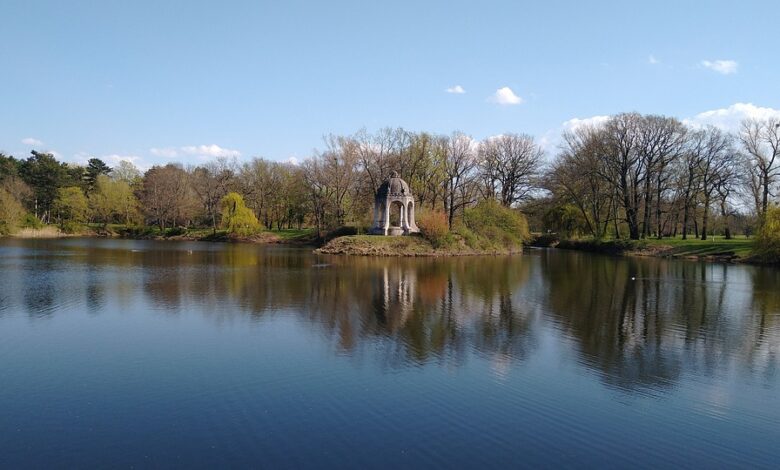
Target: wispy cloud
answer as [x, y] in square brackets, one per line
[723, 67]
[166, 152]
[457, 89]
[114, 159]
[212, 150]
[505, 96]
[551, 140]
[208, 151]
[32, 141]
[653, 60]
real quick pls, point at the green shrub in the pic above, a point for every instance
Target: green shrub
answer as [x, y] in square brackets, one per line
[501, 225]
[11, 212]
[594, 245]
[434, 227]
[767, 243]
[137, 231]
[175, 231]
[469, 238]
[71, 226]
[30, 221]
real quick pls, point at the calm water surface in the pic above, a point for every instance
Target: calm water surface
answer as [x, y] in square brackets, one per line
[120, 353]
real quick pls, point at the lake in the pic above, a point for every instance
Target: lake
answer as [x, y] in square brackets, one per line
[122, 353]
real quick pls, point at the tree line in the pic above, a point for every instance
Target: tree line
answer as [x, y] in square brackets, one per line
[334, 187]
[646, 175]
[633, 176]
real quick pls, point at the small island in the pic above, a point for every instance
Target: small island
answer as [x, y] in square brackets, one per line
[485, 229]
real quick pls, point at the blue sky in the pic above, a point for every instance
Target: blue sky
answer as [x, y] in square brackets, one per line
[155, 81]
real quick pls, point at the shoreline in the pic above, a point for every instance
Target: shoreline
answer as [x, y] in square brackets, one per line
[403, 247]
[409, 247]
[712, 251]
[262, 238]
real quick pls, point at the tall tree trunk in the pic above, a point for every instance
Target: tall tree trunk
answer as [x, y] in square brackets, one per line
[765, 195]
[705, 216]
[724, 214]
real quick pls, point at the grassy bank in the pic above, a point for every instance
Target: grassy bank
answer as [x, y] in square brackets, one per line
[373, 245]
[293, 236]
[738, 249]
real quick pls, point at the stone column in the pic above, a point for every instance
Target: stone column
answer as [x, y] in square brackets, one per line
[405, 218]
[412, 222]
[402, 217]
[386, 221]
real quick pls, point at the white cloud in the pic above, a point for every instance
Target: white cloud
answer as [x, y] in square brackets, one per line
[81, 158]
[576, 123]
[505, 96]
[114, 159]
[32, 141]
[293, 161]
[166, 152]
[208, 151]
[457, 89]
[731, 117]
[652, 60]
[212, 150]
[551, 140]
[724, 67]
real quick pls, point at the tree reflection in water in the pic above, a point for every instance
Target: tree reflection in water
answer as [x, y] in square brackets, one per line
[644, 322]
[639, 323]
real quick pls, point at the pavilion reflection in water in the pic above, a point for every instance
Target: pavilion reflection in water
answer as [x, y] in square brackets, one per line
[393, 297]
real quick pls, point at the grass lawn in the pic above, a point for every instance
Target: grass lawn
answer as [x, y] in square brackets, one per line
[204, 233]
[294, 235]
[740, 246]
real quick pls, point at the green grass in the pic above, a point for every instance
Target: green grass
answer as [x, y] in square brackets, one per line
[415, 245]
[295, 235]
[305, 235]
[714, 246]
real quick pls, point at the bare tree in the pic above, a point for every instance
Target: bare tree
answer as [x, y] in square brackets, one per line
[509, 163]
[761, 140]
[211, 182]
[689, 177]
[576, 176]
[339, 165]
[165, 195]
[660, 140]
[460, 161]
[625, 167]
[714, 168]
[379, 154]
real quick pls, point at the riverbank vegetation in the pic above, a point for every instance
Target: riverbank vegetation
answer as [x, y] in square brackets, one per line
[449, 176]
[737, 248]
[625, 177]
[645, 177]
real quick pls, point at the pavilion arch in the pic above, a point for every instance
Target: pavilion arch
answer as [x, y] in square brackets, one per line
[394, 194]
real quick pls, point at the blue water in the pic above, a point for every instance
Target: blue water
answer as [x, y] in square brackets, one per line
[117, 353]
